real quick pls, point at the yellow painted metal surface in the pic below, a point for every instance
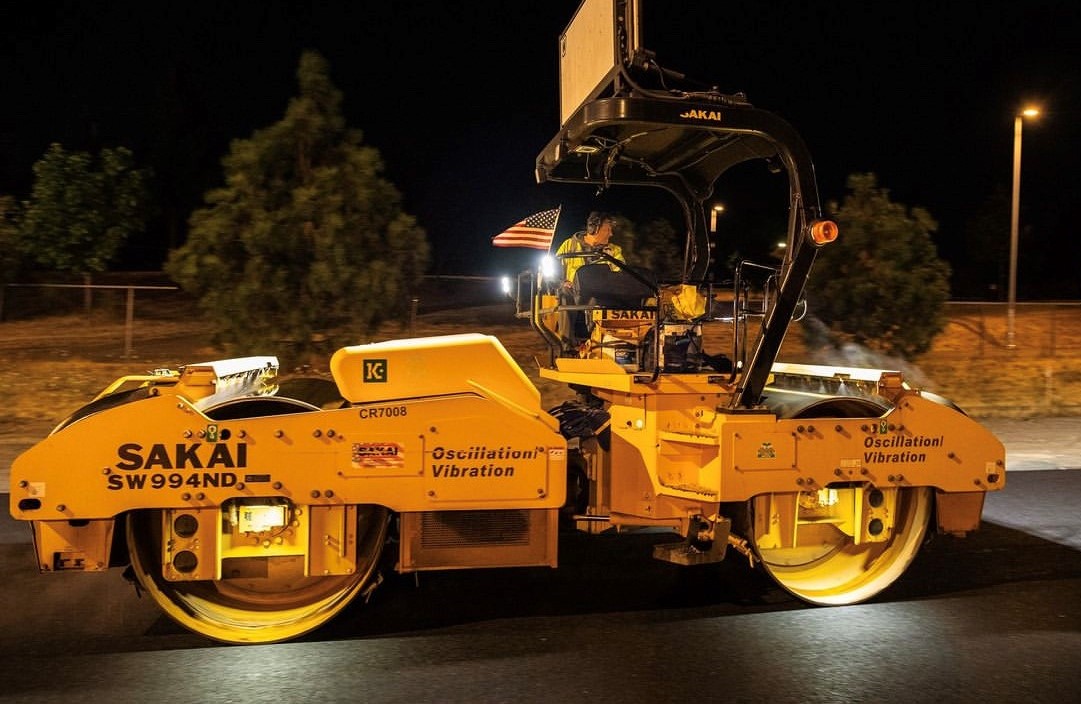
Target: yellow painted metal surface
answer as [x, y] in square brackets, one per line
[445, 430]
[409, 455]
[63, 546]
[452, 424]
[417, 368]
[672, 438]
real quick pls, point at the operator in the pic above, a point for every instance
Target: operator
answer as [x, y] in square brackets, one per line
[596, 237]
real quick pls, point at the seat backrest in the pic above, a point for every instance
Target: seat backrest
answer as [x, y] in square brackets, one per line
[590, 281]
[599, 285]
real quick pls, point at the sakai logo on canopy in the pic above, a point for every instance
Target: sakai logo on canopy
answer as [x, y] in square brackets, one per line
[702, 115]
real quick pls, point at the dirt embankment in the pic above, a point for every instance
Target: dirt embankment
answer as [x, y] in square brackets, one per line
[51, 366]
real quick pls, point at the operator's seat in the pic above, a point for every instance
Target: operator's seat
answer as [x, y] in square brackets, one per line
[619, 310]
[600, 285]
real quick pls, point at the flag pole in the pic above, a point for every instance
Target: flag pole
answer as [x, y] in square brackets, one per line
[555, 226]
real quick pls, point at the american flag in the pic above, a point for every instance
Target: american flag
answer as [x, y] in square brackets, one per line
[535, 232]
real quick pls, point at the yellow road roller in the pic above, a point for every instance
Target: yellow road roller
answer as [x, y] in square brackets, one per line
[252, 508]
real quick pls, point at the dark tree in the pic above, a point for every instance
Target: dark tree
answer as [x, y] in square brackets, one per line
[882, 283]
[82, 208]
[10, 259]
[306, 241]
[660, 249]
[982, 271]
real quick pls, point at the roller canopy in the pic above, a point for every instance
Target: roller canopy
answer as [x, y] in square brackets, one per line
[683, 142]
[682, 145]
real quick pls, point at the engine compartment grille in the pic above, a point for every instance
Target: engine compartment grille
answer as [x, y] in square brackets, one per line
[485, 538]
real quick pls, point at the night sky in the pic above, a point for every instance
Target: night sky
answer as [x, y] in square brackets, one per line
[460, 98]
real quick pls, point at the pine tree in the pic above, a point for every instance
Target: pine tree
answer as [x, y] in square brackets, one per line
[306, 240]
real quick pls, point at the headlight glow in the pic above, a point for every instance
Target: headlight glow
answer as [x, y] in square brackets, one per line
[547, 268]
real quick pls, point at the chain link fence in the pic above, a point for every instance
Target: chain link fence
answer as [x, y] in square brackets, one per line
[970, 361]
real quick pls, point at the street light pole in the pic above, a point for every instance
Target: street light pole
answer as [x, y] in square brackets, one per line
[1014, 215]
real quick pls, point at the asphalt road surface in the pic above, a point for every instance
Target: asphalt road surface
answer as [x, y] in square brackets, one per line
[989, 618]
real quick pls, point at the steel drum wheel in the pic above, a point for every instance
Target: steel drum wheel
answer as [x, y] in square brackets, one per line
[282, 605]
[830, 569]
[278, 607]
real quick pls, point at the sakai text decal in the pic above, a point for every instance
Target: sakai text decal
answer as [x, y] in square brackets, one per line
[195, 455]
[702, 115]
[627, 315]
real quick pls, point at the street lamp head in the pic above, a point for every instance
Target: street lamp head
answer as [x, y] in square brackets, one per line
[1030, 112]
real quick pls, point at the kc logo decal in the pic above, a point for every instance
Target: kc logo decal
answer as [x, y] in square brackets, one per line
[375, 371]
